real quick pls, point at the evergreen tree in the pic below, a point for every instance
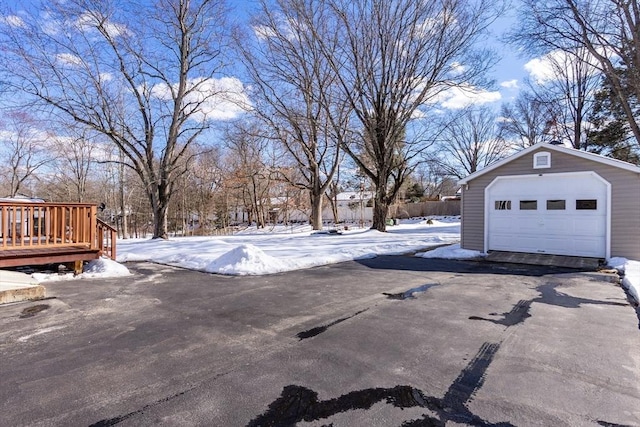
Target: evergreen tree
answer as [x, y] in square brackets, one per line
[611, 135]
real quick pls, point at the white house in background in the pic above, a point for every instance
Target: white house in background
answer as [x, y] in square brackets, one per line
[352, 207]
[22, 198]
[553, 200]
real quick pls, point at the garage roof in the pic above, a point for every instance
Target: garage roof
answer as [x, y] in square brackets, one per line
[571, 151]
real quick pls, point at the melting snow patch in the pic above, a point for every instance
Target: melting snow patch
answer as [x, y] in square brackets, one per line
[98, 268]
[451, 252]
[245, 260]
[105, 267]
[631, 271]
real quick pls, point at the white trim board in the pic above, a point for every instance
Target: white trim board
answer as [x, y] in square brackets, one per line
[573, 152]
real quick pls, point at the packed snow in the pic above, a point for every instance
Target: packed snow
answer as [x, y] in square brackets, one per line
[451, 252]
[103, 268]
[630, 271]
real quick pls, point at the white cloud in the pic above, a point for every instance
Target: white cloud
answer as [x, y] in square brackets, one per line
[553, 65]
[12, 21]
[510, 84]
[211, 99]
[90, 20]
[263, 32]
[49, 25]
[541, 69]
[457, 68]
[503, 119]
[68, 59]
[459, 97]
[32, 135]
[418, 114]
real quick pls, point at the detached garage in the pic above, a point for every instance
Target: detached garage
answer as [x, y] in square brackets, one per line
[550, 199]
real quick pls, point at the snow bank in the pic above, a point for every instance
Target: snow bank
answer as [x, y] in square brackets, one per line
[98, 268]
[451, 252]
[245, 260]
[631, 271]
[104, 267]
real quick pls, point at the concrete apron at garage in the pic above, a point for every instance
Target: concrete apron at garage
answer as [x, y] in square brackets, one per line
[582, 263]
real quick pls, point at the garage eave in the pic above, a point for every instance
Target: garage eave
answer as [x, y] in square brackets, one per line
[571, 151]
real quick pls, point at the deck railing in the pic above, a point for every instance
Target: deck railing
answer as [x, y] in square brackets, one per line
[35, 225]
[106, 239]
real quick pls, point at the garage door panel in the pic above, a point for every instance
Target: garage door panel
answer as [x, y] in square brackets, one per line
[563, 230]
[586, 247]
[557, 225]
[594, 226]
[553, 244]
[505, 243]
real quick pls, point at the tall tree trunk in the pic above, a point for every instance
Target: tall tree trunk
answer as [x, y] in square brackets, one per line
[160, 222]
[160, 206]
[123, 208]
[380, 211]
[316, 211]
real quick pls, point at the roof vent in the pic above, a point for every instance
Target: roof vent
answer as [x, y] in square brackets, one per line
[542, 160]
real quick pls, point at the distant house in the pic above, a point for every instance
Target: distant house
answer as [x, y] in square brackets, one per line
[21, 198]
[553, 200]
[352, 207]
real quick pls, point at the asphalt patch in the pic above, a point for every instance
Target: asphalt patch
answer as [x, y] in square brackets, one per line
[121, 418]
[33, 310]
[409, 293]
[296, 403]
[518, 314]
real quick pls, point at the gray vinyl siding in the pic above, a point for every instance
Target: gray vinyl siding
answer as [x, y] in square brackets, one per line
[625, 199]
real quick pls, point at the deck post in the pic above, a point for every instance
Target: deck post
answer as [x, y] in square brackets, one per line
[93, 227]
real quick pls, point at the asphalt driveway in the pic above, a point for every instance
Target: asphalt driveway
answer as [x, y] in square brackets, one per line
[391, 341]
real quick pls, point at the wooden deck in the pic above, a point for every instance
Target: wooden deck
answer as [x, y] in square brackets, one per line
[37, 256]
[33, 233]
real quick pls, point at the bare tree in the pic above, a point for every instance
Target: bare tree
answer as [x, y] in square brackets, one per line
[395, 57]
[471, 140]
[75, 162]
[252, 174]
[526, 120]
[23, 149]
[291, 81]
[568, 86]
[146, 80]
[606, 29]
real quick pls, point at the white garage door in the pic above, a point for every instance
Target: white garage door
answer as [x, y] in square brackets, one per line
[562, 214]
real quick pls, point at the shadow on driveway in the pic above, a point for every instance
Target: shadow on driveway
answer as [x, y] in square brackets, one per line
[413, 263]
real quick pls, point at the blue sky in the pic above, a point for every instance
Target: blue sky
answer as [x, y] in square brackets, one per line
[508, 73]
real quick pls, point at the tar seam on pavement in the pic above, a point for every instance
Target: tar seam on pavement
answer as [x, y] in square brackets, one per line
[320, 329]
[296, 403]
[409, 293]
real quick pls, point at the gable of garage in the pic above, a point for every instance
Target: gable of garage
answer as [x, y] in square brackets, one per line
[623, 178]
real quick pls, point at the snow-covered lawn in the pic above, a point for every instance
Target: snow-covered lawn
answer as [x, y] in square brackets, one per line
[285, 249]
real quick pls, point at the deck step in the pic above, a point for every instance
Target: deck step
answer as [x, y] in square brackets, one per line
[16, 287]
